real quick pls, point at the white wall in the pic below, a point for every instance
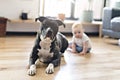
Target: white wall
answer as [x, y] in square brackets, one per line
[98, 8]
[12, 8]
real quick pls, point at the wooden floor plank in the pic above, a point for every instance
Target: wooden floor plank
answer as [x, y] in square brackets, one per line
[102, 63]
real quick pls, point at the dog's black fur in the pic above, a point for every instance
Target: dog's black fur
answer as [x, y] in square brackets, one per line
[58, 45]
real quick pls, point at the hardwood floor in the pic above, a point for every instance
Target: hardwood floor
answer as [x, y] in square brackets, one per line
[103, 63]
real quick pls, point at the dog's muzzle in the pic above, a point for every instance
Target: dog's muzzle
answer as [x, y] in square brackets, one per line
[48, 33]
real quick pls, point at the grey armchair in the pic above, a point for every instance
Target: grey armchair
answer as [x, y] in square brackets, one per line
[111, 22]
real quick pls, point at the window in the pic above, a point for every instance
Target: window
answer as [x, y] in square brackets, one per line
[71, 8]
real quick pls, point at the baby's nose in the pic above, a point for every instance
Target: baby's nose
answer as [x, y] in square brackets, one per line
[77, 33]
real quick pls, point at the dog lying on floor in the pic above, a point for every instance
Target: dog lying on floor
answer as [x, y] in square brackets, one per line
[56, 45]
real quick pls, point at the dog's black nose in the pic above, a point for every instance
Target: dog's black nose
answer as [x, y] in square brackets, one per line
[49, 32]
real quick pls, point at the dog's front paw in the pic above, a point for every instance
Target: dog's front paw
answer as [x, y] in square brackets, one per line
[50, 69]
[32, 70]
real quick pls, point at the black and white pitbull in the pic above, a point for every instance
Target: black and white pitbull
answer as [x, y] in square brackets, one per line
[58, 45]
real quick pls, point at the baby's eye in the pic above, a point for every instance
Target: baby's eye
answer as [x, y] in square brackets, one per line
[79, 32]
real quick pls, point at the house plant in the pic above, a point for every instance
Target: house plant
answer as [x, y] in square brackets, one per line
[87, 14]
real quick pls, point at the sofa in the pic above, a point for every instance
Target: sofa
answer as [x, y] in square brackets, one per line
[111, 22]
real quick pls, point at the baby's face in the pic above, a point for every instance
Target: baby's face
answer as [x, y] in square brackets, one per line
[77, 33]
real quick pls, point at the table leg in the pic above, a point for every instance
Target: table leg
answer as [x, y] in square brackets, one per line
[100, 30]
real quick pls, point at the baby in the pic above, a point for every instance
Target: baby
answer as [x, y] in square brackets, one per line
[80, 43]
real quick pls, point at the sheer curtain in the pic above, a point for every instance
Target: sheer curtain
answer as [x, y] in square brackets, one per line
[53, 7]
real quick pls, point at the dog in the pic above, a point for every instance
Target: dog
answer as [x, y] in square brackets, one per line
[58, 45]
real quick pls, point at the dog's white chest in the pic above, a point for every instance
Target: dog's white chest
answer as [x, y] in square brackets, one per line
[44, 53]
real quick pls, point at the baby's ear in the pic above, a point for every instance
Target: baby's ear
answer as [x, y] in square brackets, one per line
[83, 30]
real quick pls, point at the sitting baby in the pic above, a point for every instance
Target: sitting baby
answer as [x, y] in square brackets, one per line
[44, 53]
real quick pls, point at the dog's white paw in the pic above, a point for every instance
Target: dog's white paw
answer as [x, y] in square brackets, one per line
[32, 70]
[50, 69]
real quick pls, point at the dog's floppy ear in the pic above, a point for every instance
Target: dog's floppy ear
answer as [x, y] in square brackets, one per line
[41, 19]
[60, 23]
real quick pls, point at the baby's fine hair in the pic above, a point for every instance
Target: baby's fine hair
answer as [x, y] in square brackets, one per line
[77, 25]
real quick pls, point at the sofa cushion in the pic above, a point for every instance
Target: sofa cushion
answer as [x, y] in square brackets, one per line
[115, 24]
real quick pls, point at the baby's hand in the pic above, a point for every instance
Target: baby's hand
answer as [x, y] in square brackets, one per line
[82, 53]
[73, 51]
[70, 49]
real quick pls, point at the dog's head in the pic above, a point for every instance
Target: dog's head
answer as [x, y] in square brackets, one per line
[49, 27]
